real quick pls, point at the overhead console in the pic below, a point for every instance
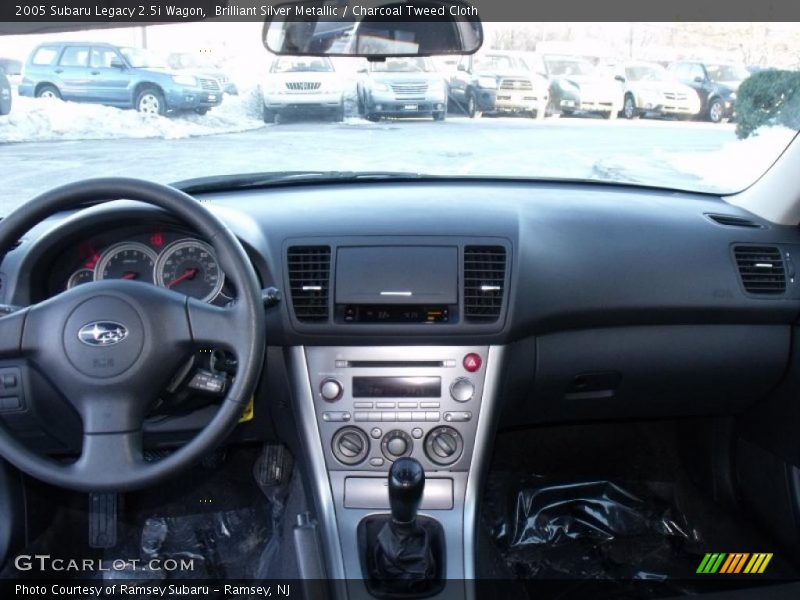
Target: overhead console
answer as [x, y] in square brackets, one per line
[399, 284]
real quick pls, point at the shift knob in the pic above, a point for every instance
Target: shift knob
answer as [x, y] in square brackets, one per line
[406, 484]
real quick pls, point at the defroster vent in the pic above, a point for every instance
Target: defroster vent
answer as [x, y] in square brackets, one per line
[484, 282]
[761, 268]
[309, 280]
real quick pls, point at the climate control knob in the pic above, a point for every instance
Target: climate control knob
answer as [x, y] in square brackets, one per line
[330, 390]
[444, 445]
[350, 445]
[396, 443]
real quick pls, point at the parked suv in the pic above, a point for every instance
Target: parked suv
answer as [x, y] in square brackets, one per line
[5, 94]
[402, 87]
[302, 84]
[498, 82]
[715, 84]
[117, 76]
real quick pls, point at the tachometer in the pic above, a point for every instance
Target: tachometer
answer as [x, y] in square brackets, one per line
[190, 267]
[80, 276]
[127, 260]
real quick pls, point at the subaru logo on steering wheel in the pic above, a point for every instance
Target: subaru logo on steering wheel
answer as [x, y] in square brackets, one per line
[102, 333]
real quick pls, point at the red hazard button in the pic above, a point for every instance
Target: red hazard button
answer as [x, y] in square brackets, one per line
[472, 362]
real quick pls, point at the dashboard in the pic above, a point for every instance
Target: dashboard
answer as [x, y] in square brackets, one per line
[609, 301]
[155, 253]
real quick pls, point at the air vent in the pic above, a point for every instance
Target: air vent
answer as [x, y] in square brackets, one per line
[484, 282]
[761, 269]
[734, 221]
[309, 278]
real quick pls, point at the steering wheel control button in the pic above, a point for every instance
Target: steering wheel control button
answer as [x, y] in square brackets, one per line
[457, 416]
[444, 445]
[472, 362]
[330, 390]
[417, 433]
[350, 445]
[103, 337]
[376, 432]
[335, 416]
[462, 389]
[208, 382]
[395, 444]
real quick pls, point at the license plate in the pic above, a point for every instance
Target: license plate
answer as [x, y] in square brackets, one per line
[212, 98]
[410, 106]
[504, 97]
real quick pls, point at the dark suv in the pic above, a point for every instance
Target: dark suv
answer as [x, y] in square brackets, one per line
[117, 76]
[715, 83]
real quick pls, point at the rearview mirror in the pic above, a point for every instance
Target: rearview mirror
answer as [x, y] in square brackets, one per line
[116, 63]
[619, 78]
[373, 29]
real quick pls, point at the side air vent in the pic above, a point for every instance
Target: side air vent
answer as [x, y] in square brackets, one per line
[309, 281]
[761, 269]
[734, 221]
[484, 282]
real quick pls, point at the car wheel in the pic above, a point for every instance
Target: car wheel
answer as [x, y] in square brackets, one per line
[150, 101]
[201, 111]
[472, 106]
[362, 112]
[373, 117]
[715, 111]
[49, 92]
[610, 115]
[439, 116]
[338, 115]
[269, 115]
[629, 108]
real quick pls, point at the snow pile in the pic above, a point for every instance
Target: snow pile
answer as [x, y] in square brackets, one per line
[39, 120]
[728, 168]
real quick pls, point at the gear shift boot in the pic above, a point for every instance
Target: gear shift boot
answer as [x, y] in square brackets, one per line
[402, 561]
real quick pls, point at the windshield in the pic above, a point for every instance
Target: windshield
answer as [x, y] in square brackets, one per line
[402, 65]
[646, 73]
[563, 66]
[302, 65]
[142, 59]
[727, 72]
[76, 113]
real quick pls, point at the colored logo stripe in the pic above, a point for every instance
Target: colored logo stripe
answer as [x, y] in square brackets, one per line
[735, 562]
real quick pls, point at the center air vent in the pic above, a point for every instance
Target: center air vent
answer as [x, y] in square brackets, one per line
[484, 282]
[309, 281]
[761, 269]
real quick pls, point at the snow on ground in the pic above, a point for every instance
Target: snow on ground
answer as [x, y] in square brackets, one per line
[732, 166]
[39, 120]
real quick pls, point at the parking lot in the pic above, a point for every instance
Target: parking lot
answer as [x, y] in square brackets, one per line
[669, 153]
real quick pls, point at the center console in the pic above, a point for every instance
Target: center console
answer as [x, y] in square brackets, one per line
[364, 408]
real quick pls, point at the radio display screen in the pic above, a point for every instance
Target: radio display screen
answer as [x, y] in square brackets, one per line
[397, 387]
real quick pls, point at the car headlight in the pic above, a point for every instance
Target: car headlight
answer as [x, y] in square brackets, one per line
[377, 86]
[487, 82]
[188, 80]
[732, 96]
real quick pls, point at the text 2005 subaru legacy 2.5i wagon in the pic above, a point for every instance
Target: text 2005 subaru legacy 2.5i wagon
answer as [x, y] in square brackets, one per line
[118, 76]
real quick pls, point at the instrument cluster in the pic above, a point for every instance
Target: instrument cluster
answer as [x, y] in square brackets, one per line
[167, 258]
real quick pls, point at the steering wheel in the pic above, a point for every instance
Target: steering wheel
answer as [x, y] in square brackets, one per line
[110, 347]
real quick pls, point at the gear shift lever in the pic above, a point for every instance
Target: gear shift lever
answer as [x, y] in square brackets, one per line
[406, 484]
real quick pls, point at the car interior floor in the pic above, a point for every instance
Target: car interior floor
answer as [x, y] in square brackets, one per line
[216, 515]
[608, 509]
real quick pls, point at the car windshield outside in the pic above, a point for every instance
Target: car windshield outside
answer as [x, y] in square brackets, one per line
[727, 72]
[142, 59]
[302, 65]
[646, 73]
[538, 101]
[566, 66]
[402, 65]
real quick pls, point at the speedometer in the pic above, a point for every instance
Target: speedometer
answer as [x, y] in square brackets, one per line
[128, 260]
[190, 267]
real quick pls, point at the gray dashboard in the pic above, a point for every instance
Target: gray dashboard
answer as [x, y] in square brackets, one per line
[609, 291]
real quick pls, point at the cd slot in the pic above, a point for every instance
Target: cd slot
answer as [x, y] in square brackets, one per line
[381, 364]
